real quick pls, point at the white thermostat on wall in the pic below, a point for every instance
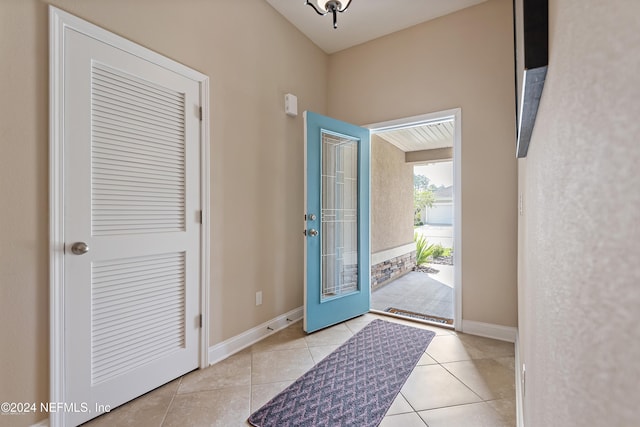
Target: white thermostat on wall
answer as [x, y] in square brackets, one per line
[291, 105]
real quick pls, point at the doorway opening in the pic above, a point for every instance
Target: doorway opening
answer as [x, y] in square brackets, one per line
[416, 218]
[429, 293]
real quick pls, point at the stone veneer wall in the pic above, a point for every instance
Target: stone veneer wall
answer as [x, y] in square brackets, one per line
[393, 268]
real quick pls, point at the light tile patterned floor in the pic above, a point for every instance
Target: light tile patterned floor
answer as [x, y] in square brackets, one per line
[461, 380]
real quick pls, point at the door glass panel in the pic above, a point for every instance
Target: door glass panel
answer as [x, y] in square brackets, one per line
[339, 219]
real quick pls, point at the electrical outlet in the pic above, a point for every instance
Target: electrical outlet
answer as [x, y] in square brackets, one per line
[259, 298]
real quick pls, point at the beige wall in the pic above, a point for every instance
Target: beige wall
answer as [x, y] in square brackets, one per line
[391, 197]
[460, 60]
[24, 251]
[253, 57]
[579, 288]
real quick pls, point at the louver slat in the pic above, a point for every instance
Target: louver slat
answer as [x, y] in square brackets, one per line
[137, 314]
[137, 155]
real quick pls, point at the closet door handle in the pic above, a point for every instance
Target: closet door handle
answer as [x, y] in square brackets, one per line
[80, 248]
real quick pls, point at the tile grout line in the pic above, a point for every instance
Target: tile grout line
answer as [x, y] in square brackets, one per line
[471, 360]
[482, 400]
[166, 412]
[462, 382]
[448, 406]
[414, 411]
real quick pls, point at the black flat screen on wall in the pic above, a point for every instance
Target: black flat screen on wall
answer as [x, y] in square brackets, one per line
[531, 30]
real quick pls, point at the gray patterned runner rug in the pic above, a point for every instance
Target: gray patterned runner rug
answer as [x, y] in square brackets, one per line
[353, 386]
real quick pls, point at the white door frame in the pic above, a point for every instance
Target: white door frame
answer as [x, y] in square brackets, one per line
[59, 22]
[456, 114]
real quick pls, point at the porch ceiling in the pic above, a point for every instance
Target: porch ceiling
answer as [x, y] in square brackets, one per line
[422, 137]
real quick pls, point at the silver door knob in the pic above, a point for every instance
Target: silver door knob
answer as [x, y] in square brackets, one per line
[80, 248]
[313, 232]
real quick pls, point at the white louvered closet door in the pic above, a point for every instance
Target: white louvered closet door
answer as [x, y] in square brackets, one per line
[132, 194]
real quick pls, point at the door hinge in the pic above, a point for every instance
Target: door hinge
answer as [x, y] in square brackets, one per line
[200, 112]
[200, 217]
[200, 321]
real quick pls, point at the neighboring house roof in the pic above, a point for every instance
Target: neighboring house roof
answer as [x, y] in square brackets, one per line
[443, 193]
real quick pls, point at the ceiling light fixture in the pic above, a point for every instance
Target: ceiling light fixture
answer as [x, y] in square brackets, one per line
[331, 6]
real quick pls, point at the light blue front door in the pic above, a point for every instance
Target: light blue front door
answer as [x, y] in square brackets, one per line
[337, 267]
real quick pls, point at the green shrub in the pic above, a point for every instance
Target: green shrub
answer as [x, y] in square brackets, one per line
[438, 251]
[441, 251]
[424, 250]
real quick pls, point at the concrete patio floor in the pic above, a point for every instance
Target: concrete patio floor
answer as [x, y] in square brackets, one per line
[418, 292]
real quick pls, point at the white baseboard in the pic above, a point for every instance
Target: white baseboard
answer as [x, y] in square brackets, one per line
[490, 330]
[233, 345]
[519, 385]
[43, 423]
